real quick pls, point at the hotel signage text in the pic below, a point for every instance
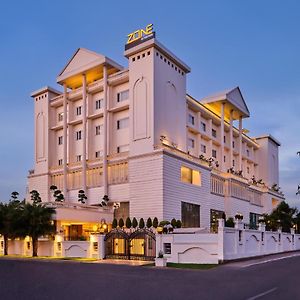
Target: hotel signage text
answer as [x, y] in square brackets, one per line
[138, 36]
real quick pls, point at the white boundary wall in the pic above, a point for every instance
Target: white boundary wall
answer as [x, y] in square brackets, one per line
[227, 244]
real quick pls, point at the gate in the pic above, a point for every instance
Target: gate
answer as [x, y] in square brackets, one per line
[139, 244]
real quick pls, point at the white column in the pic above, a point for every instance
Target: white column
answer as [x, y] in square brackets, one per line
[105, 131]
[65, 142]
[222, 136]
[240, 142]
[84, 135]
[231, 138]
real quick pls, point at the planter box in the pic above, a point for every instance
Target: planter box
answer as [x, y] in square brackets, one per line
[160, 262]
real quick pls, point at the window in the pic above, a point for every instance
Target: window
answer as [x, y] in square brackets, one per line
[214, 216]
[78, 158]
[233, 163]
[233, 144]
[78, 135]
[167, 248]
[248, 152]
[78, 110]
[214, 133]
[214, 153]
[60, 162]
[99, 129]
[224, 139]
[122, 96]
[248, 170]
[191, 119]
[95, 246]
[203, 148]
[98, 154]
[190, 214]
[99, 104]
[123, 148]
[190, 176]
[122, 123]
[191, 143]
[253, 218]
[224, 158]
[60, 140]
[60, 117]
[203, 126]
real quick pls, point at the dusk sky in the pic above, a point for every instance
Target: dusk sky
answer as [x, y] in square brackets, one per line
[251, 44]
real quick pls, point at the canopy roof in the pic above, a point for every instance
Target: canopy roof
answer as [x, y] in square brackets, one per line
[86, 62]
[233, 100]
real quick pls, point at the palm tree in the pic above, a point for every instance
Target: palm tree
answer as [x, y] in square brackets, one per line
[36, 221]
[8, 221]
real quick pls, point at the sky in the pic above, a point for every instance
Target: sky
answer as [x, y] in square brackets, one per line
[251, 44]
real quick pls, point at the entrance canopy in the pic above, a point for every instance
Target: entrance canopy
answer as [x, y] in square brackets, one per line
[233, 100]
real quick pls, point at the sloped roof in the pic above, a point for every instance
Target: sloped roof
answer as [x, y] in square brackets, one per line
[232, 96]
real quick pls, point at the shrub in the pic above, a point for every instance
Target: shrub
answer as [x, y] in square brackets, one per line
[134, 222]
[229, 222]
[128, 222]
[173, 223]
[149, 223]
[114, 223]
[163, 223]
[142, 223]
[178, 224]
[121, 223]
[155, 222]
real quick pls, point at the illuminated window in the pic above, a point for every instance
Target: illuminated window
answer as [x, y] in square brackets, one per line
[214, 133]
[214, 153]
[99, 104]
[122, 123]
[60, 117]
[78, 110]
[190, 176]
[124, 95]
[191, 119]
[203, 148]
[60, 140]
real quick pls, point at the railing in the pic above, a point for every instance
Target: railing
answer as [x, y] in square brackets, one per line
[255, 197]
[238, 190]
[217, 185]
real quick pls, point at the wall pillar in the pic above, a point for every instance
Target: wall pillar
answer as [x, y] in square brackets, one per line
[84, 134]
[105, 131]
[231, 138]
[221, 225]
[222, 136]
[240, 142]
[65, 142]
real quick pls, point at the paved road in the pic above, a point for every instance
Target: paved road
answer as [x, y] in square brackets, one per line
[276, 279]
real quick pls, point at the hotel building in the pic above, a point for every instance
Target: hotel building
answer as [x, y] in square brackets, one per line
[135, 134]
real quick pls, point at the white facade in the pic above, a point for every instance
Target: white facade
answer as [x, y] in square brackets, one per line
[135, 135]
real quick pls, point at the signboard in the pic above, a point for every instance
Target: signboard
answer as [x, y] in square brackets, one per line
[139, 36]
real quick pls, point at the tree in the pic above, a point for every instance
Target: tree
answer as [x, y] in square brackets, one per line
[104, 201]
[173, 223]
[114, 223]
[57, 194]
[178, 224]
[121, 223]
[134, 222]
[8, 221]
[36, 221]
[142, 223]
[14, 196]
[81, 196]
[149, 223]
[155, 222]
[282, 216]
[35, 197]
[128, 222]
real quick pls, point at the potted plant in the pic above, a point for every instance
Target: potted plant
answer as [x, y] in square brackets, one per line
[239, 217]
[160, 260]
